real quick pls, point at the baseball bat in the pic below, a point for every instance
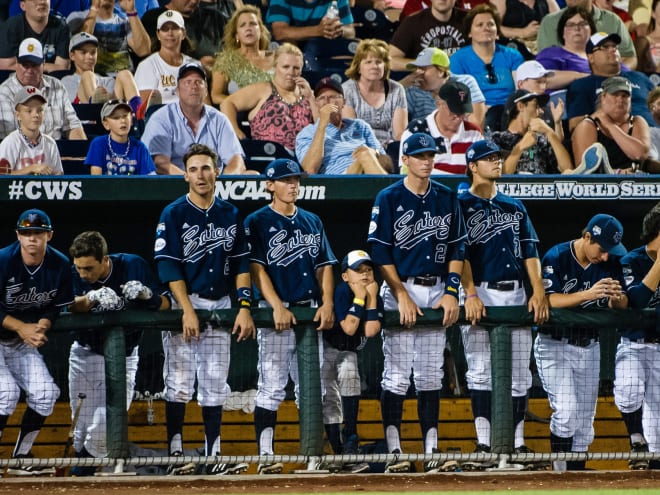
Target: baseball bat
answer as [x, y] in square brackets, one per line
[72, 430]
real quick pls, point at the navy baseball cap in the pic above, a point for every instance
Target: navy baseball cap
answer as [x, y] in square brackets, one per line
[608, 232]
[283, 167]
[417, 143]
[186, 69]
[598, 39]
[354, 259]
[328, 83]
[34, 220]
[481, 149]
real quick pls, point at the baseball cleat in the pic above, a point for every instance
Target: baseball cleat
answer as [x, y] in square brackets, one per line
[479, 465]
[223, 468]
[271, 468]
[531, 465]
[180, 469]
[432, 466]
[356, 468]
[639, 464]
[30, 470]
[397, 466]
[333, 467]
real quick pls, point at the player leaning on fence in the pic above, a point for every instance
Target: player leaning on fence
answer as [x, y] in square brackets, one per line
[35, 285]
[417, 237]
[582, 273]
[202, 254]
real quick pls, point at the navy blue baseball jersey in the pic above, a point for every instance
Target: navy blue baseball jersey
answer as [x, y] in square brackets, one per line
[291, 249]
[32, 293]
[343, 301]
[205, 248]
[636, 264]
[563, 274]
[419, 234]
[500, 237]
[123, 268]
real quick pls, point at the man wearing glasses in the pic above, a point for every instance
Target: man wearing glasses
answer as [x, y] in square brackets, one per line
[60, 119]
[449, 126]
[35, 285]
[501, 259]
[605, 61]
[336, 145]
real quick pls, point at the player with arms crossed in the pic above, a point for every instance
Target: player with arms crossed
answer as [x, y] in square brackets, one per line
[637, 368]
[291, 265]
[103, 282]
[417, 237]
[582, 273]
[202, 255]
[35, 284]
[359, 314]
[501, 259]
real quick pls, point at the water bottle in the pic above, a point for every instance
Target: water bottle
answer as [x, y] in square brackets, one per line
[333, 11]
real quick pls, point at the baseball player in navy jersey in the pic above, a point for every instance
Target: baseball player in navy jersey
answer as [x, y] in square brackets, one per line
[417, 237]
[103, 282]
[359, 314]
[35, 285]
[202, 255]
[501, 257]
[291, 265]
[637, 369]
[582, 273]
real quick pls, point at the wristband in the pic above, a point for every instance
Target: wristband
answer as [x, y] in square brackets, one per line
[470, 296]
[358, 301]
[131, 14]
[373, 315]
[244, 294]
[452, 283]
[357, 311]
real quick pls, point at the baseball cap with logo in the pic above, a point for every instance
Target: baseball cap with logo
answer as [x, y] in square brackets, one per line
[457, 96]
[112, 105]
[417, 143]
[328, 83]
[430, 56]
[522, 96]
[30, 50]
[481, 149]
[170, 16]
[283, 167]
[598, 39]
[26, 93]
[608, 232]
[354, 259]
[34, 220]
[531, 70]
[186, 69]
[615, 84]
[82, 38]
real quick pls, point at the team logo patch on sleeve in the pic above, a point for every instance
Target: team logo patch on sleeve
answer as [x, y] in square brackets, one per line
[372, 227]
[549, 270]
[160, 228]
[160, 244]
[547, 283]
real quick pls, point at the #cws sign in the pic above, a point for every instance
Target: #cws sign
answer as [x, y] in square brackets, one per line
[573, 189]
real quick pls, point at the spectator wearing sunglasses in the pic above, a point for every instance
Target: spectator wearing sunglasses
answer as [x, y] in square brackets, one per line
[493, 65]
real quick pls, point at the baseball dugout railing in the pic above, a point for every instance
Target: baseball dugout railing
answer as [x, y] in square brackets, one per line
[498, 321]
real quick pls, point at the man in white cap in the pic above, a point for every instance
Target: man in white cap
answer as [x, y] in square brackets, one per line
[439, 26]
[605, 61]
[605, 20]
[116, 33]
[37, 22]
[533, 77]
[60, 119]
[430, 70]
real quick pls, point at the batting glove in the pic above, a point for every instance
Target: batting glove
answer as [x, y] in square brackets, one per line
[105, 299]
[135, 289]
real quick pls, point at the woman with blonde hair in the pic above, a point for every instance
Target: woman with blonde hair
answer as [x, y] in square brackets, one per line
[245, 58]
[277, 109]
[370, 94]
